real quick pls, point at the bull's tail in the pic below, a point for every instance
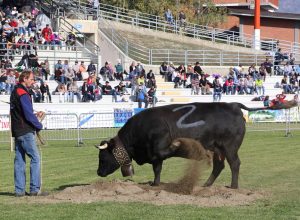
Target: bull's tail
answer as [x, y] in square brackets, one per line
[251, 109]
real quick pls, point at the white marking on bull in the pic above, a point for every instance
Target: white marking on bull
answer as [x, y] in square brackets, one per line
[181, 124]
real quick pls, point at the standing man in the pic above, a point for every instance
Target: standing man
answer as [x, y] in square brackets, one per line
[24, 124]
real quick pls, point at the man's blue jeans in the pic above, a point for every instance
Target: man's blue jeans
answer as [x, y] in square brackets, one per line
[26, 144]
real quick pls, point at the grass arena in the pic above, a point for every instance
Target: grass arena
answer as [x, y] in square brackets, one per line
[269, 185]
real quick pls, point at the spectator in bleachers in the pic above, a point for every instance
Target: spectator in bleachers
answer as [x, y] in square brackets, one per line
[119, 70]
[195, 83]
[45, 91]
[61, 90]
[182, 19]
[91, 68]
[73, 90]
[107, 89]
[104, 71]
[120, 90]
[3, 44]
[45, 69]
[288, 69]
[3, 79]
[259, 86]
[262, 72]
[75, 68]
[152, 99]
[14, 12]
[58, 72]
[177, 79]
[22, 44]
[292, 59]
[285, 85]
[132, 66]
[297, 69]
[294, 84]
[168, 16]
[217, 93]
[197, 68]
[38, 38]
[182, 70]
[164, 70]
[35, 92]
[205, 85]
[139, 69]
[6, 28]
[228, 86]
[14, 24]
[242, 85]
[249, 84]
[268, 65]
[56, 39]
[21, 26]
[71, 41]
[31, 46]
[32, 27]
[46, 34]
[151, 79]
[82, 69]
[142, 95]
[10, 81]
[171, 73]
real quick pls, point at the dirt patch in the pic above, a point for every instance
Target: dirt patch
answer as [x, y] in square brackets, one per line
[184, 191]
[128, 191]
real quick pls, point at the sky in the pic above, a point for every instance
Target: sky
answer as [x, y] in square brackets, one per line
[289, 6]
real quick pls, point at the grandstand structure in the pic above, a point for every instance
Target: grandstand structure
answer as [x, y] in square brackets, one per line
[108, 42]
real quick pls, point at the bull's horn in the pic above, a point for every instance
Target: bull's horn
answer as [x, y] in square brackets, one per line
[102, 147]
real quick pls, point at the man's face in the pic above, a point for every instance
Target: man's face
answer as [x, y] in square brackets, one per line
[29, 81]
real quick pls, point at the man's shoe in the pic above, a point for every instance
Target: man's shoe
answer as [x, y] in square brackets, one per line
[20, 194]
[39, 194]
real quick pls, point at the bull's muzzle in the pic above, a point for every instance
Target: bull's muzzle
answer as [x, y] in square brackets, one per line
[127, 170]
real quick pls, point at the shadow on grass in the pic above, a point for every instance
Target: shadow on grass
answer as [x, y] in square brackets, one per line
[7, 194]
[70, 185]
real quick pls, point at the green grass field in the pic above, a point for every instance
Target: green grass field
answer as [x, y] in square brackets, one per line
[270, 163]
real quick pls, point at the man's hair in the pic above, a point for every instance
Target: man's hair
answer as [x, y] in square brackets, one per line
[25, 75]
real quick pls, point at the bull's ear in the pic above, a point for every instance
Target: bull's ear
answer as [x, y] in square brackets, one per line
[102, 147]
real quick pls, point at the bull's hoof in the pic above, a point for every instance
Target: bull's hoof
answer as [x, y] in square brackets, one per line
[153, 183]
[231, 187]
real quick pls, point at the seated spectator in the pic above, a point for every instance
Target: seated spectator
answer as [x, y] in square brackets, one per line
[268, 65]
[14, 12]
[35, 92]
[82, 70]
[288, 69]
[71, 41]
[164, 70]
[76, 71]
[38, 38]
[14, 23]
[32, 27]
[6, 28]
[151, 79]
[182, 19]
[107, 89]
[152, 99]
[121, 91]
[46, 34]
[294, 83]
[91, 68]
[142, 95]
[55, 39]
[228, 86]
[249, 82]
[22, 44]
[285, 85]
[104, 71]
[44, 88]
[10, 81]
[205, 85]
[3, 80]
[73, 90]
[119, 71]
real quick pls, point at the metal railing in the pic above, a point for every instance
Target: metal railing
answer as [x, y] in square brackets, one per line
[97, 126]
[157, 56]
[189, 29]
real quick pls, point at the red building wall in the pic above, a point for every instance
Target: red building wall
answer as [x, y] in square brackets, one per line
[272, 28]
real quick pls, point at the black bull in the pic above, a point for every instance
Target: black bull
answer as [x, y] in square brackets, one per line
[146, 137]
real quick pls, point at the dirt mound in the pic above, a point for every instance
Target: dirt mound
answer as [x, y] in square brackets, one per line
[128, 191]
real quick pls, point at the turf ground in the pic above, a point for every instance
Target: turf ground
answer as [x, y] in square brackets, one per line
[270, 163]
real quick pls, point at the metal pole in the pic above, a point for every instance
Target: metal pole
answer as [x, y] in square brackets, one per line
[257, 25]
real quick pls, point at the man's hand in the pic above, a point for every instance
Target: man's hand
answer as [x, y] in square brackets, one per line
[40, 115]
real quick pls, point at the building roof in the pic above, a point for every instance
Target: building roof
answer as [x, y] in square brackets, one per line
[265, 14]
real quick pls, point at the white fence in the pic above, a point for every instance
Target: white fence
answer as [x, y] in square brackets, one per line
[97, 126]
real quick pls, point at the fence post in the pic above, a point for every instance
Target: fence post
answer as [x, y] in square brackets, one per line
[287, 122]
[150, 56]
